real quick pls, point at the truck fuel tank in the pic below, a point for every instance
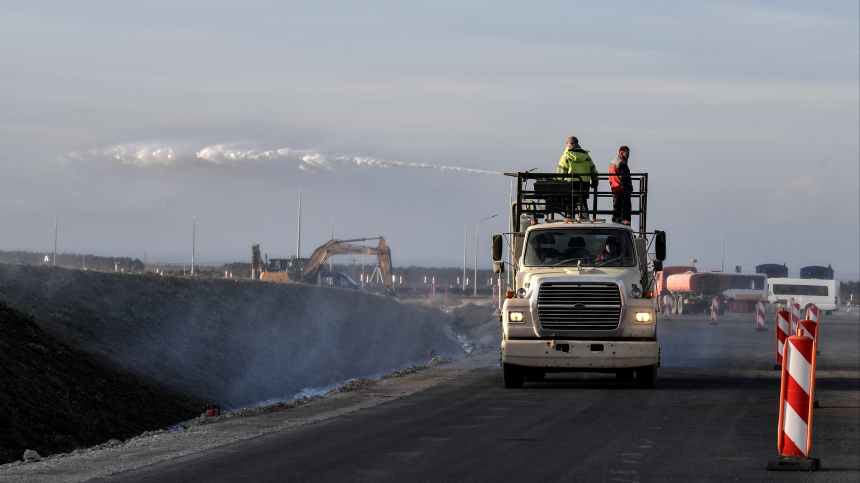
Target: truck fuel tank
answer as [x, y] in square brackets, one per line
[707, 283]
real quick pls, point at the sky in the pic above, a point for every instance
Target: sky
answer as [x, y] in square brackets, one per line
[127, 120]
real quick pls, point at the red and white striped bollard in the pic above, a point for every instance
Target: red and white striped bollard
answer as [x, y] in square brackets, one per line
[670, 302]
[759, 317]
[795, 317]
[812, 314]
[715, 311]
[795, 409]
[782, 327]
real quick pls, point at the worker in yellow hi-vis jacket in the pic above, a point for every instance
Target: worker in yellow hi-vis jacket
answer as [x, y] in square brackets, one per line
[576, 160]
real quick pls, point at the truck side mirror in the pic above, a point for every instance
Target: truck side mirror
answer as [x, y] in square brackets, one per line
[498, 267]
[660, 245]
[657, 266]
[497, 247]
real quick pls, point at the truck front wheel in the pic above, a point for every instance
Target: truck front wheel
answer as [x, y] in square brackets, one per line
[535, 376]
[514, 376]
[646, 377]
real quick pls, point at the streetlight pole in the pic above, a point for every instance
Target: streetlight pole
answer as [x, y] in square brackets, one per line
[465, 240]
[475, 285]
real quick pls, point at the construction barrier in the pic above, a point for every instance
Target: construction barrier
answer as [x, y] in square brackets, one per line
[795, 407]
[812, 314]
[742, 307]
[759, 318]
[808, 328]
[782, 330]
[670, 302]
[715, 311]
[795, 317]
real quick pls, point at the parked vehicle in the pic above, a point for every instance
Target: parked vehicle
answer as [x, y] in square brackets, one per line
[336, 279]
[746, 287]
[824, 294]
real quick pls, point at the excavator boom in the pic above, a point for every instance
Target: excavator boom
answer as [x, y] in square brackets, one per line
[331, 248]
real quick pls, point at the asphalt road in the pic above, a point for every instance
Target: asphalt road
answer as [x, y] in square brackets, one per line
[712, 417]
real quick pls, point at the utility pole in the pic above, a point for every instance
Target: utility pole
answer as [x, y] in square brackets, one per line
[722, 252]
[299, 236]
[193, 240]
[475, 284]
[331, 259]
[55, 239]
[465, 238]
[144, 260]
[510, 273]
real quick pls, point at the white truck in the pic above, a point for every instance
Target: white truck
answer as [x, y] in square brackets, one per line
[579, 298]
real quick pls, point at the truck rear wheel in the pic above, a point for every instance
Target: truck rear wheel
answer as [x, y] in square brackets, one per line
[646, 377]
[514, 376]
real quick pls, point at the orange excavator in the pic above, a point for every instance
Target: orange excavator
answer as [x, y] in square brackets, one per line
[297, 270]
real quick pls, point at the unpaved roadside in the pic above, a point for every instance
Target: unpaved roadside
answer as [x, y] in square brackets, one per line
[147, 449]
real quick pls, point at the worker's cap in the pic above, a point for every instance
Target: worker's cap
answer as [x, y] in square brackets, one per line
[611, 240]
[573, 140]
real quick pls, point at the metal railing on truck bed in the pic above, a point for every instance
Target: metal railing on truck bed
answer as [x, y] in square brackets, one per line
[552, 194]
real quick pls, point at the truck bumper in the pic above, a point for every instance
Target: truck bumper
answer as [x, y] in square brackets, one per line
[580, 354]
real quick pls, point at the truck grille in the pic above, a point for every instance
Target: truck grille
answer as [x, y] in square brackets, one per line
[579, 306]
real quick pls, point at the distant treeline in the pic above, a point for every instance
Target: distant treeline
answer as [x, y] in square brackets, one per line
[74, 260]
[850, 288]
[409, 275]
[405, 275]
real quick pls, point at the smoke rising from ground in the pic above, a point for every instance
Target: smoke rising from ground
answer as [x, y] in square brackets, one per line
[148, 155]
[234, 343]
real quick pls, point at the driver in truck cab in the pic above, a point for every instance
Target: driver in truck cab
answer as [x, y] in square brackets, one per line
[612, 250]
[539, 253]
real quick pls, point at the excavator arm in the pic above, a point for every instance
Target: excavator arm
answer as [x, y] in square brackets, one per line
[257, 267]
[341, 247]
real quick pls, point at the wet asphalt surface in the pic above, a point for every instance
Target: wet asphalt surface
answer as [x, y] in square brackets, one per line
[712, 417]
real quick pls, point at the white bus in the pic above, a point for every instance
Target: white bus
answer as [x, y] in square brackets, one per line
[746, 287]
[824, 294]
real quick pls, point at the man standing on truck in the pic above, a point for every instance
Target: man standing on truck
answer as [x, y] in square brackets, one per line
[576, 160]
[622, 186]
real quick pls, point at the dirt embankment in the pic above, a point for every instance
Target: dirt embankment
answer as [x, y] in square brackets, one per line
[54, 398]
[230, 342]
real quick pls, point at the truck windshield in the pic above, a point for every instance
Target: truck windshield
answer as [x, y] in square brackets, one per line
[590, 247]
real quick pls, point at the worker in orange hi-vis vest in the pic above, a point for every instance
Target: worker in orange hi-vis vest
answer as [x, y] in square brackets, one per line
[622, 186]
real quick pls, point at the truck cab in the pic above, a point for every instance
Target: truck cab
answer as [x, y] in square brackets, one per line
[579, 297]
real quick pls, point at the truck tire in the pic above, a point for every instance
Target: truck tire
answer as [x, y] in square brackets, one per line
[625, 375]
[535, 376]
[514, 376]
[646, 377]
[680, 306]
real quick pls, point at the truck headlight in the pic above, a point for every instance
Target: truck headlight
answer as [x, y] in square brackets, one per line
[515, 317]
[521, 293]
[643, 317]
[636, 291]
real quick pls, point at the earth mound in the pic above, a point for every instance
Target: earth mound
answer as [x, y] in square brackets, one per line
[229, 342]
[54, 398]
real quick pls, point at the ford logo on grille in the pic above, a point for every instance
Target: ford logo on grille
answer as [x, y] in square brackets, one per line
[579, 306]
